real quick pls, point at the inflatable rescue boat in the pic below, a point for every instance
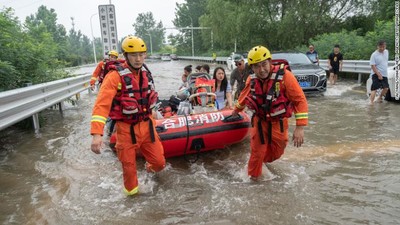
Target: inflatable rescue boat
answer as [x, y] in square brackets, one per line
[189, 122]
[181, 135]
[189, 134]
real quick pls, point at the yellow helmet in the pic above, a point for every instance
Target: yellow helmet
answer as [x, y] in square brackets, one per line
[133, 44]
[114, 53]
[258, 54]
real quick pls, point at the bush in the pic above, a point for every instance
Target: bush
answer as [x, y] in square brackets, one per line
[352, 45]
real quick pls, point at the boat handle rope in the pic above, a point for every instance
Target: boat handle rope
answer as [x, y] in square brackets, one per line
[187, 144]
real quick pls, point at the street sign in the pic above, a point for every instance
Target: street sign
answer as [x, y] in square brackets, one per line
[108, 28]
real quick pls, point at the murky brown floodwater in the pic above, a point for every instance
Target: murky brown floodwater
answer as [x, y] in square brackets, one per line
[348, 172]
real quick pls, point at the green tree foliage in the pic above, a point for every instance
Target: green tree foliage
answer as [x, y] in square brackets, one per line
[79, 48]
[45, 21]
[278, 24]
[383, 9]
[384, 30]
[353, 45]
[25, 58]
[36, 51]
[10, 34]
[145, 26]
[186, 15]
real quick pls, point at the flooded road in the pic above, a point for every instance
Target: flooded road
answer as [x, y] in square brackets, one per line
[347, 172]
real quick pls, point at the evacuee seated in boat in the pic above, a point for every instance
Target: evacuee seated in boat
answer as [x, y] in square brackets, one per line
[202, 92]
[186, 72]
[223, 90]
[198, 97]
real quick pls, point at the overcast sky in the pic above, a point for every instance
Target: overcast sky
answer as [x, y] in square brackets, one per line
[82, 10]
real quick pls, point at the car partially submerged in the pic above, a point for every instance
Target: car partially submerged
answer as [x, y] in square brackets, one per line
[311, 77]
[390, 95]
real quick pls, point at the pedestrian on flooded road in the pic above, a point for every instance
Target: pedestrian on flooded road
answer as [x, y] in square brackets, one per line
[128, 96]
[313, 55]
[272, 93]
[379, 64]
[335, 64]
[239, 76]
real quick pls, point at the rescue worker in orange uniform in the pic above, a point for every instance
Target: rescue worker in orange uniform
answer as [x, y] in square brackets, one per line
[272, 93]
[99, 71]
[127, 95]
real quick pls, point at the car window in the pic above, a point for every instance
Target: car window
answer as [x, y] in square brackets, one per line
[292, 58]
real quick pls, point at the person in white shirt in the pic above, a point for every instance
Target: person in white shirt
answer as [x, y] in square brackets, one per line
[379, 64]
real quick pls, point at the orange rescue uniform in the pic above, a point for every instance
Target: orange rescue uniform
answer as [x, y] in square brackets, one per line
[153, 152]
[97, 72]
[264, 153]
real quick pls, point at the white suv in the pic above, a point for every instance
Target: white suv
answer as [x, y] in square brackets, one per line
[392, 83]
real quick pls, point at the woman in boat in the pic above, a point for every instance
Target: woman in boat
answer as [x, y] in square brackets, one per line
[223, 89]
[186, 72]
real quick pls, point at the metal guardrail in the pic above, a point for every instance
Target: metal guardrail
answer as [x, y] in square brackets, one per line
[349, 66]
[219, 60]
[353, 66]
[21, 103]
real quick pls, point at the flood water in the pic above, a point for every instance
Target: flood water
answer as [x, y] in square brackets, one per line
[347, 171]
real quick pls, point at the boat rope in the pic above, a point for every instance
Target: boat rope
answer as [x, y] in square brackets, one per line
[187, 144]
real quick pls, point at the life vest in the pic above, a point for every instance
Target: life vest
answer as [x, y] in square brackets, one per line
[272, 105]
[205, 89]
[107, 66]
[135, 101]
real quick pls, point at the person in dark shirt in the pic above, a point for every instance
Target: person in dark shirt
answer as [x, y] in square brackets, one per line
[335, 62]
[239, 75]
[313, 55]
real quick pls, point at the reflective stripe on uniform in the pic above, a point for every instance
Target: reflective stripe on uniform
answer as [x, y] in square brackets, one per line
[100, 119]
[299, 116]
[128, 112]
[132, 192]
[282, 111]
[119, 86]
[93, 78]
[239, 106]
[125, 71]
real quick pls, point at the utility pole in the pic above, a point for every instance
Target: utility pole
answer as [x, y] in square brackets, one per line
[191, 24]
[196, 28]
[192, 38]
[73, 24]
[94, 47]
[151, 44]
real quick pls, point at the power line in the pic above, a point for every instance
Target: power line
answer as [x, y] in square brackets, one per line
[21, 7]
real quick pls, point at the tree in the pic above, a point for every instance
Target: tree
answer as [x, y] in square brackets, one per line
[9, 40]
[278, 24]
[146, 27]
[353, 45]
[186, 14]
[79, 48]
[383, 9]
[45, 21]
